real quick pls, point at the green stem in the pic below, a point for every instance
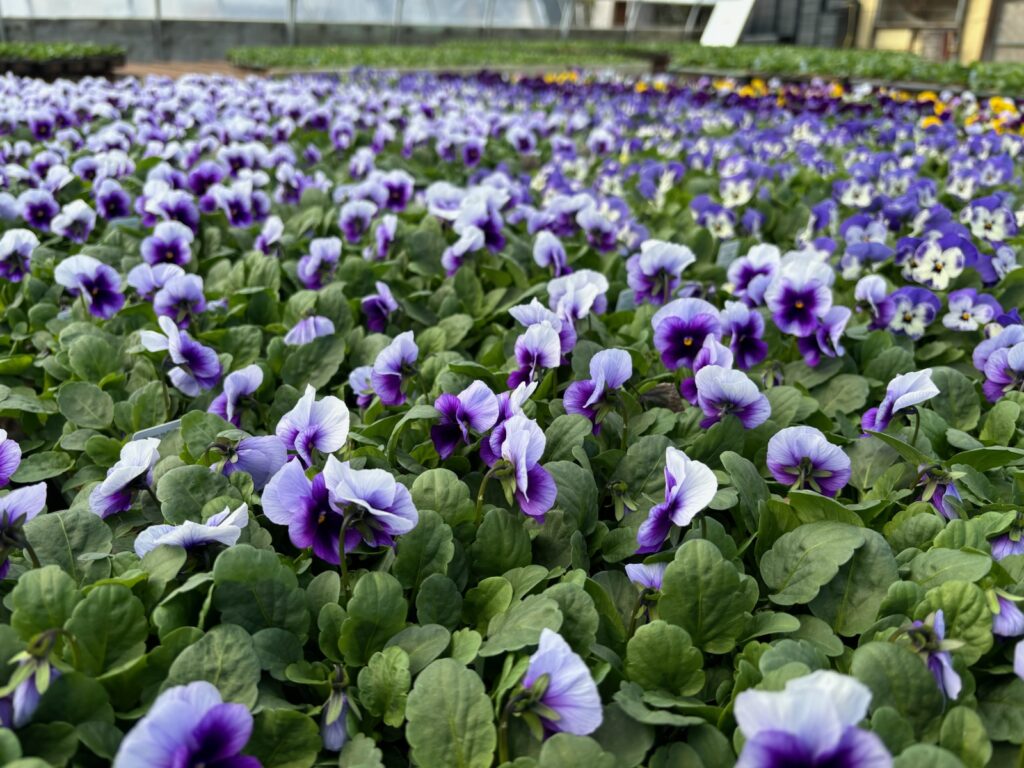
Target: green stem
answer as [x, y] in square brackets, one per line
[703, 527]
[342, 562]
[636, 611]
[503, 753]
[480, 495]
[625, 426]
[31, 553]
[917, 427]
[152, 496]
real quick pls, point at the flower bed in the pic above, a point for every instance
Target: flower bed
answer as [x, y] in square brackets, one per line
[462, 421]
[53, 60]
[744, 60]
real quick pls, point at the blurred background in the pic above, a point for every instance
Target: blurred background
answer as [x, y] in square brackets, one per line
[945, 30]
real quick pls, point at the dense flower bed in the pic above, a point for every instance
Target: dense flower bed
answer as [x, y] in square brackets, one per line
[751, 60]
[462, 422]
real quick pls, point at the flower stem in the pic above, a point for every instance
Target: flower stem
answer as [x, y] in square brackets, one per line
[152, 496]
[503, 754]
[31, 553]
[703, 527]
[636, 611]
[342, 562]
[917, 427]
[480, 495]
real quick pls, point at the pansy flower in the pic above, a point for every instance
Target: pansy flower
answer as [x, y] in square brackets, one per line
[98, 284]
[307, 329]
[195, 367]
[969, 310]
[474, 408]
[680, 328]
[654, 273]
[313, 424]
[377, 307]
[914, 309]
[238, 385]
[905, 391]
[133, 469]
[689, 488]
[610, 369]
[170, 243]
[222, 528]
[722, 392]
[813, 721]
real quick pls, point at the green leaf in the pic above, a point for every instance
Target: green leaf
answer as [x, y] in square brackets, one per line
[42, 599]
[360, 752]
[53, 743]
[577, 492]
[521, 625]
[661, 656]
[748, 482]
[91, 358]
[579, 616]
[62, 538]
[906, 450]
[376, 613]
[707, 596]
[845, 393]
[109, 627]
[804, 560]
[939, 565]
[564, 750]
[984, 459]
[423, 644]
[224, 656]
[566, 432]
[76, 699]
[255, 591]
[623, 737]
[314, 363]
[384, 685]
[967, 616]
[964, 735]
[1001, 708]
[277, 648]
[486, 600]
[1000, 424]
[850, 601]
[868, 462]
[439, 601]
[199, 429]
[439, 490]
[451, 724]
[898, 678]
[42, 466]
[424, 551]
[85, 404]
[502, 544]
[926, 756]
[284, 738]
[184, 491]
[958, 404]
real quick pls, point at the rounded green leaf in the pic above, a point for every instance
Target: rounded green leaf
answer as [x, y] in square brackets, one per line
[451, 723]
[661, 656]
[85, 404]
[707, 596]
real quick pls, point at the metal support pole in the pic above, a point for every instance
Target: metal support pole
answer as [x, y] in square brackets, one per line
[567, 13]
[489, 15]
[396, 19]
[157, 30]
[632, 16]
[293, 12]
